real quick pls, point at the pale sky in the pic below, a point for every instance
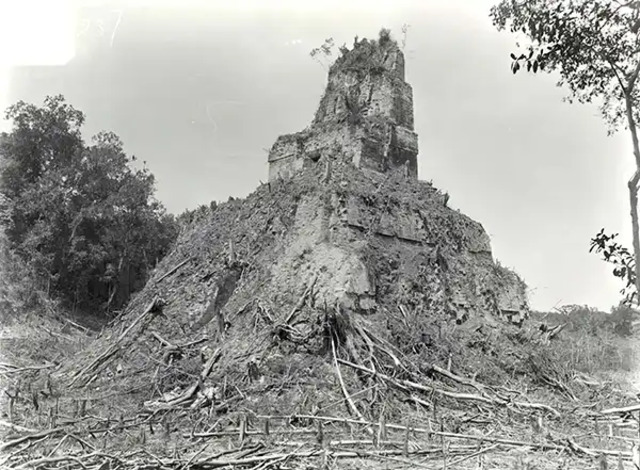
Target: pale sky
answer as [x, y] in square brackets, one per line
[201, 89]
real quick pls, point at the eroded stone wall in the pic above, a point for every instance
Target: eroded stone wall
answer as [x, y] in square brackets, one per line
[365, 117]
[404, 236]
[368, 243]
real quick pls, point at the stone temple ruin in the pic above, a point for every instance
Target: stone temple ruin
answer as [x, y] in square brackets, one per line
[343, 229]
[365, 122]
[343, 253]
[365, 116]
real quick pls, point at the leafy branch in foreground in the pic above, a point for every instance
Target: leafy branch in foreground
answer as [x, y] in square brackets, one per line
[622, 259]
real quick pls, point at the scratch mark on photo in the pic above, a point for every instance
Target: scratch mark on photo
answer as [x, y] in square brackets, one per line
[115, 28]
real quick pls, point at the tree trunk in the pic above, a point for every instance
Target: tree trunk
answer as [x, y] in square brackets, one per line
[114, 289]
[633, 199]
[633, 190]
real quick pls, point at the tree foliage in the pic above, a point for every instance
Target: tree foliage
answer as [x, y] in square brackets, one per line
[622, 260]
[582, 319]
[323, 53]
[593, 45]
[80, 214]
[595, 48]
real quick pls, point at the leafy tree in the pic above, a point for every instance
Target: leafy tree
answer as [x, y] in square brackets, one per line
[79, 214]
[622, 317]
[384, 37]
[595, 47]
[323, 53]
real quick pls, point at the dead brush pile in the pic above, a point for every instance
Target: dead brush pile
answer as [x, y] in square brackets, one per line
[215, 365]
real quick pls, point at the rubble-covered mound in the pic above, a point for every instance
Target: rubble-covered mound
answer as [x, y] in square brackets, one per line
[363, 243]
[342, 300]
[368, 246]
[326, 306]
[261, 296]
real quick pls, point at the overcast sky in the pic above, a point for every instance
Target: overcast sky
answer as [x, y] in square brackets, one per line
[201, 91]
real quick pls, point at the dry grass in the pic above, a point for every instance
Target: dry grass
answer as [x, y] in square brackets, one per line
[294, 387]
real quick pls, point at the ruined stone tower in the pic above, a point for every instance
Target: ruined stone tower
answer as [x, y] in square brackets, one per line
[373, 205]
[365, 116]
[344, 224]
[344, 257]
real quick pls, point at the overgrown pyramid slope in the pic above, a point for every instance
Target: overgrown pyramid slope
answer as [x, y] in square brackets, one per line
[365, 121]
[343, 257]
[344, 237]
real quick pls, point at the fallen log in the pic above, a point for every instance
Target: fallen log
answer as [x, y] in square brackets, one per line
[347, 397]
[30, 437]
[471, 383]
[486, 439]
[27, 368]
[173, 270]
[622, 410]
[455, 395]
[15, 427]
[115, 347]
